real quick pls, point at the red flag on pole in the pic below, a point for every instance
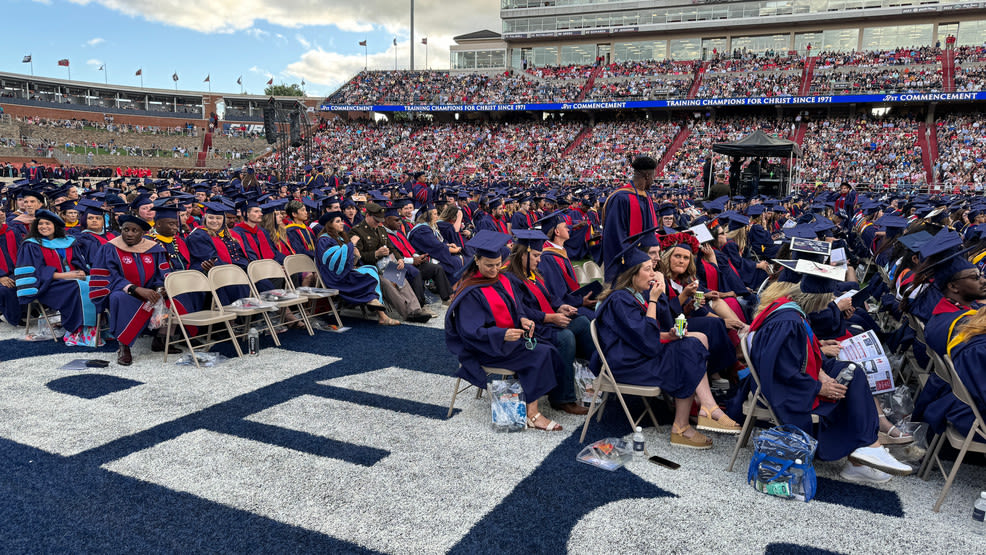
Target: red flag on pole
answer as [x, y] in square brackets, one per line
[206, 80]
[362, 43]
[271, 82]
[63, 62]
[139, 72]
[424, 40]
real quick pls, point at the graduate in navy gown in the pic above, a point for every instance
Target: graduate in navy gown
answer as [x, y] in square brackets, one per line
[799, 381]
[450, 226]
[297, 234]
[128, 278]
[761, 241]
[213, 245]
[336, 256]
[556, 322]
[426, 240]
[256, 243]
[628, 211]
[10, 307]
[50, 269]
[555, 266]
[968, 352]
[30, 201]
[486, 326]
[640, 352]
[94, 233]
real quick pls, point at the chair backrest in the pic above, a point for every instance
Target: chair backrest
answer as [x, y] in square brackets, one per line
[745, 343]
[580, 274]
[939, 366]
[268, 269]
[228, 274]
[189, 281]
[604, 372]
[302, 264]
[592, 270]
[962, 393]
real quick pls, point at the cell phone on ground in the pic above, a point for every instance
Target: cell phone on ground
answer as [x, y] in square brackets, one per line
[661, 461]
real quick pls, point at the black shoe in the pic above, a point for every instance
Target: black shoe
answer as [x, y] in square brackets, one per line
[157, 346]
[123, 357]
[419, 316]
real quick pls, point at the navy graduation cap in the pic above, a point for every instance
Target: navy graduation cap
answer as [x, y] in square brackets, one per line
[488, 243]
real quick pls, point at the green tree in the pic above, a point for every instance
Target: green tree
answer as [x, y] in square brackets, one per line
[293, 89]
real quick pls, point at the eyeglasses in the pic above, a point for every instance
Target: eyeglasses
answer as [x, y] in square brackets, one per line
[976, 277]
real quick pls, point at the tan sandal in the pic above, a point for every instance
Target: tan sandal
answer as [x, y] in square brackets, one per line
[697, 441]
[388, 321]
[723, 425]
[552, 426]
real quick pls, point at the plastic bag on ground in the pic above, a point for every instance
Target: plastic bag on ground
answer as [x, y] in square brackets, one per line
[508, 405]
[584, 380]
[609, 454]
[782, 463]
[206, 360]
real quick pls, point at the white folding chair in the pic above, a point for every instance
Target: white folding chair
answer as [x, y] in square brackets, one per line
[606, 383]
[232, 275]
[297, 264]
[259, 270]
[456, 390]
[964, 443]
[193, 281]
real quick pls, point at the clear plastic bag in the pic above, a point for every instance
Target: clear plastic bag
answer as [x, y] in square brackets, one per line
[207, 360]
[508, 405]
[314, 291]
[42, 332]
[897, 405]
[159, 315]
[251, 303]
[782, 463]
[584, 381]
[609, 454]
[275, 295]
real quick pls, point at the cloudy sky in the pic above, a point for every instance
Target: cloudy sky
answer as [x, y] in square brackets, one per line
[289, 40]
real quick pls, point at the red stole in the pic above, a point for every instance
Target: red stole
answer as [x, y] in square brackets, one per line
[561, 260]
[536, 287]
[946, 306]
[10, 247]
[401, 242]
[711, 275]
[129, 262]
[498, 305]
[51, 259]
[221, 251]
[257, 240]
[813, 357]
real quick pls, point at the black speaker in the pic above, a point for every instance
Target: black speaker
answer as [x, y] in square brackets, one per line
[295, 129]
[270, 127]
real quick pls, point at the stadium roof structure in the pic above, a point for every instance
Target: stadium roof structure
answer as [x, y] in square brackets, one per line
[485, 34]
[759, 143]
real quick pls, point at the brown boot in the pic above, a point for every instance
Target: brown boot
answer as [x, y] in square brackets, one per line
[124, 358]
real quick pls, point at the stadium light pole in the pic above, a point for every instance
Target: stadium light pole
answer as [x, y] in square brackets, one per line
[412, 35]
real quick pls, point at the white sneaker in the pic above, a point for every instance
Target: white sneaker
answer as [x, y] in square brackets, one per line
[880, 459]
[864, 474]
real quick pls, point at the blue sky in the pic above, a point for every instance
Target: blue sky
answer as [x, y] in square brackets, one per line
[295, 39]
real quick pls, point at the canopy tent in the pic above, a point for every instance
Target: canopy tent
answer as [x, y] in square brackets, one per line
[759, 144]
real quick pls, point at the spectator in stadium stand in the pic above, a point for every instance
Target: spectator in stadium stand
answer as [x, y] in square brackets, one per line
[337, 260]
[628, 211]
[127, 273]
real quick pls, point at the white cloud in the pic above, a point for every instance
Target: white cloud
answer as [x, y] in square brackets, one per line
[45, 2]
[333, 69]
[95, 41]
[256, 69]
[303, 41]
[257, 33]
[432, 17]
[94, 62]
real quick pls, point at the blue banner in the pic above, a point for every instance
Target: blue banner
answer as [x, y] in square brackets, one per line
[683, 103]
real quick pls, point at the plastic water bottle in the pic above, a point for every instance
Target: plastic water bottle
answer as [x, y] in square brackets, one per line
[979, 515]
[638, 442]
[253, 342]
[847, 374]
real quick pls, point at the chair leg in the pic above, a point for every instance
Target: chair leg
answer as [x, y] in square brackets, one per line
[335, 312]
[44, 314]
[188, 343]
[306, 319]
[743, 438]
[455, 393]
[232, 338]
[955, 467]
[270, 326]
[929, 457]
[602, 406]
[653, 417]
[588, 416]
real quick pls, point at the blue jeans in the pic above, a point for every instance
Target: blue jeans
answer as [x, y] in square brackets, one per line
[572, 340]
